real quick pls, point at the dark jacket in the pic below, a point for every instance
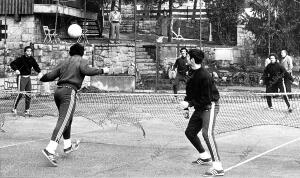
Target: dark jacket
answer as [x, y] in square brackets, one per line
[182, 65]
[274, 73]
[71, 72]
[24, 65]
[201, 90]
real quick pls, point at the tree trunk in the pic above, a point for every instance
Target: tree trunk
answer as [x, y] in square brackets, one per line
[194, 10]
[170, 21]
[159, 9]
[100, 18]
[113, 3]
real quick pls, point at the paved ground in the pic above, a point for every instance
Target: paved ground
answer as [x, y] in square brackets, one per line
[263, 151]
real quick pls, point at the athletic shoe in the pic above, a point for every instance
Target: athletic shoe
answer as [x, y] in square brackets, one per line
[290, 109]
[27, 112]
[14, 111]
[213, 172]
[186, 114]
[72, 148]
[201, 161]
[50, 157]
[270, 108]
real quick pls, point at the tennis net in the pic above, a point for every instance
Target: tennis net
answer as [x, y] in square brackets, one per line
[237, 110]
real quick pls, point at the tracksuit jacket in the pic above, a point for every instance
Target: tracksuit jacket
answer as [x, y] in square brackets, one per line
[201, 90]
[71, 72]
[24, 65]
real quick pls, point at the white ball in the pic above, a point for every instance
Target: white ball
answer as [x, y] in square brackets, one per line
[74, 31]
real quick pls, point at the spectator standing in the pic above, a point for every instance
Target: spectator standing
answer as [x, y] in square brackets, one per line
[287, 63]
[115, 20]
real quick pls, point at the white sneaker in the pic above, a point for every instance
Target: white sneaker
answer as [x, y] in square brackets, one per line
[14, 111]
[27, 112]
[73, 147]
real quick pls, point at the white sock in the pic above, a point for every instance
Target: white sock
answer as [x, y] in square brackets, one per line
[217, 165]
[205, 155]
[51, 147]
[67, 143]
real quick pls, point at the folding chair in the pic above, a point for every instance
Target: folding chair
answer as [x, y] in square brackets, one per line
[177, 36]
[49, 35]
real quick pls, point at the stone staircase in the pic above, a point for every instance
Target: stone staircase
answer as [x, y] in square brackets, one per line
[126, 26]
[146, 64]
[92, 28]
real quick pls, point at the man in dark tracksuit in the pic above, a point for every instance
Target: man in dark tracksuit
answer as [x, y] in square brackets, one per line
[202, 94]
[70, 74]
[274, 78]
[22, 66]
[182, 67]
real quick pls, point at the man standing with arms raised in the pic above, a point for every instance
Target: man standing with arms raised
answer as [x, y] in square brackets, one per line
[70, 74]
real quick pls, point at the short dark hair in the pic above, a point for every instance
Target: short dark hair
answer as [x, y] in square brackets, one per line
[27, 47]
[197, 54]
[273, 54]
[76, 49]
[183, 48]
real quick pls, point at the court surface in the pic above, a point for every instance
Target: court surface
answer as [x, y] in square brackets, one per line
[122, 151]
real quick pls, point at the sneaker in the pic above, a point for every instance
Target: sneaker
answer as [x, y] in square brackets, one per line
[201, 161]
[213, 172]
[186, 114]
[290, 109]
[72, 148]
[50, 157]
[270, 108]
[14, 111]
[27, 112]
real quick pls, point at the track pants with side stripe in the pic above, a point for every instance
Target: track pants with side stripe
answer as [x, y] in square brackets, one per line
[274, 89]
[205, 121]
[24, 84]
[65, 100]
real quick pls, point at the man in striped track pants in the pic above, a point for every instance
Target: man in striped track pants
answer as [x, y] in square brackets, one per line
[70, 74]
[202, 94]
[22, 66]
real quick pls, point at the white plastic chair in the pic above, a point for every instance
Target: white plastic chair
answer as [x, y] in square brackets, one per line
[50, 35]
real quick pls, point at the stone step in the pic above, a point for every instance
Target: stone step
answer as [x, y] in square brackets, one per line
[143, 56]
[140, 49]
[143, 65]
[151, 74]
[138, 53]
[144, 60]
[147, 72]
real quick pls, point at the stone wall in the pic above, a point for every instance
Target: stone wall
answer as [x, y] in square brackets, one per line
[23, 32]
[118, 57]
[169, 52]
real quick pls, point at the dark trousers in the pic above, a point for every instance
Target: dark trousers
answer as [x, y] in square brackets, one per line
[65, 100]
[179, 78]
[273, 88]
[288, 87]
[24, 84]
[205, 121]
[114, 30]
